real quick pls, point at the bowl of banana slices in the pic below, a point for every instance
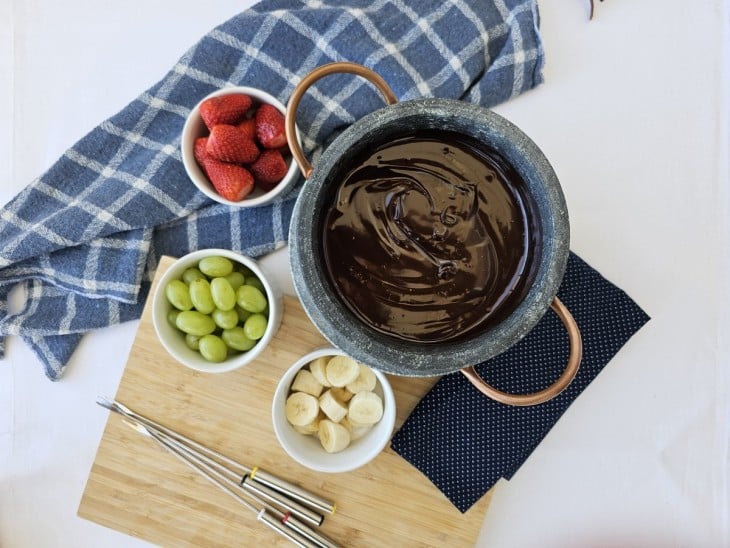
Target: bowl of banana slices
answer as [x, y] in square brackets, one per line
[332, 413]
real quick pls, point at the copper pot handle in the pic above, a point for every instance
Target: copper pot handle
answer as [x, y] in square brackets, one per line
[576, 353]
[321, 71]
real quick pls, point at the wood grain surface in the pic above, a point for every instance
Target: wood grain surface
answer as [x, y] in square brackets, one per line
[136, 487]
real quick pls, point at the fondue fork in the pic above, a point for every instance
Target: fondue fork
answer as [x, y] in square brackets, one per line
[283, 500]
[253, 476]
[249, 487]
[281, 521]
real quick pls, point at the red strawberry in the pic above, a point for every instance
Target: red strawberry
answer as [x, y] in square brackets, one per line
[229, 144]
[270, 127]
[248, 126]
[225, 109]
[269, 169]
[200, 153]
[231, 181]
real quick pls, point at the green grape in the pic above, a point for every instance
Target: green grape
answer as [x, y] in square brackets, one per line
[172, 315]
[236, 338]
[201, 296]
[213, 349]
[254, 281]
[178, 295]
[191, 274]
[214, 267]
[251, 299]
[242, 314]
[193, 341]
[236, 279]
[223, 294]
[194, 323]
[255, 326]
[225, 319]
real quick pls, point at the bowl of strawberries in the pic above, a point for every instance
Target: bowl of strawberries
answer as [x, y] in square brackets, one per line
[234, 147]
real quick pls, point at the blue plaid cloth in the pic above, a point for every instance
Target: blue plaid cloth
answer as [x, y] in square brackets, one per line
[85, 238]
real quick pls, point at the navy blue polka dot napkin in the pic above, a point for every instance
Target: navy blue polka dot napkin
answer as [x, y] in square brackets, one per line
[464, 442]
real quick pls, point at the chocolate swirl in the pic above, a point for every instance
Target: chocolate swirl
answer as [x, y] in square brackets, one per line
[428, 237]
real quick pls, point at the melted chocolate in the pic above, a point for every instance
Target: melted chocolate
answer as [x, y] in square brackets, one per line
[428, 237]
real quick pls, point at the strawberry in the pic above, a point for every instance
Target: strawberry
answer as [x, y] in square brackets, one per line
[200, 153]
[229, 144]
[231, 181]
[269, 169]
[225, 109]
[248, 126]
[270, 127]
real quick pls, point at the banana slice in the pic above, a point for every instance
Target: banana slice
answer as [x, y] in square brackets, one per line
[356, 431]
[365, 381]
[308, 429]
[332, 407]
[318, 369]
[333, 437]
[365, 408]
[355, 424]
[301, 408]
[306, 382]
[342, 370]
[342, 394]
[312, 428]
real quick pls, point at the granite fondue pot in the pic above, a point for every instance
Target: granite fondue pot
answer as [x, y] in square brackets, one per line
[394, 355]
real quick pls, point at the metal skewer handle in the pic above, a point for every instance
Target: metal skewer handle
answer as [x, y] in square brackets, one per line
[277, 526]
[292, 491]
[249, 486]
[303, 529]
[289, 526]
[275, 497]
[263, 515]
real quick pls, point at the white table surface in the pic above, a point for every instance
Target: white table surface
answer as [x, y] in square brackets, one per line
[633, 115]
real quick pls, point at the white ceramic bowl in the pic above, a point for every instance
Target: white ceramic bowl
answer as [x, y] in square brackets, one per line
[173, 340]
[195, 127]
[307, 450]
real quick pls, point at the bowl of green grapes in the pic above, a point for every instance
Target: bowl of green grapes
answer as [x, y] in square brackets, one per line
[215, 310]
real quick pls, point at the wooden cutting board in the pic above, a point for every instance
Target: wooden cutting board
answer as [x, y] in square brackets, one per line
[136, 487]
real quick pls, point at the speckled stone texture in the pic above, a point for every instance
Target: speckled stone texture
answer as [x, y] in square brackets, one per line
[387, 353]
